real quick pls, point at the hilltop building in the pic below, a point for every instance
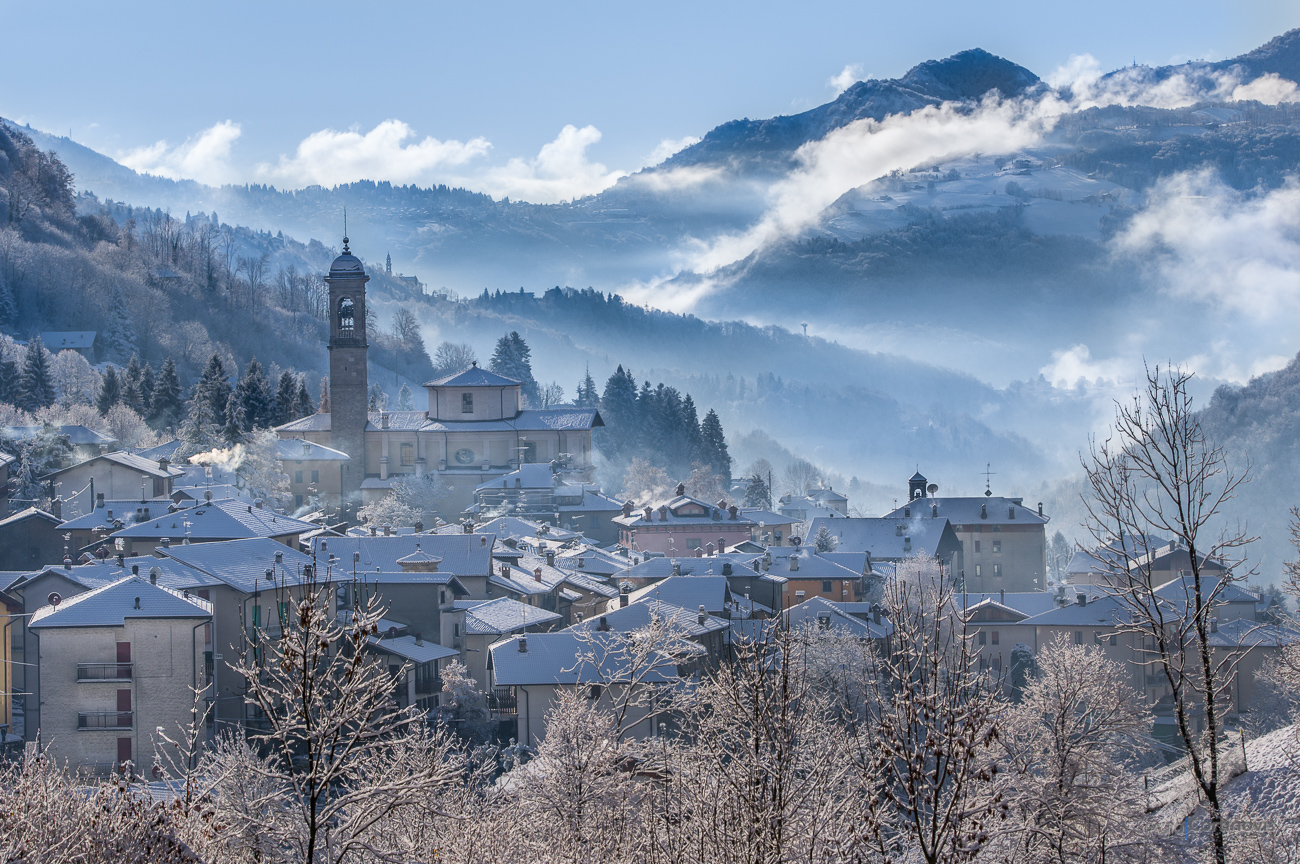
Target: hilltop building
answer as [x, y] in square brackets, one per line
[475, 428]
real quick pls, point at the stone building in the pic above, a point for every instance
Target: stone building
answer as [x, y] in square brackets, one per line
[118, 663]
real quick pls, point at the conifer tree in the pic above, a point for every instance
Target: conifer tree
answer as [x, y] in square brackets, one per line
[147, 382]
[618, 409]
[588, 395]
[404, 400]
[714, 445]
[304, 406]
[214, 387]
[513, 359]
[110, 391]
[10, 381]
[129, 380]
[694, 438]
[8, 308]
[254, 395]
[286, 399]
[37, 388]
[165, 404]
[199, 432]
[233, 431]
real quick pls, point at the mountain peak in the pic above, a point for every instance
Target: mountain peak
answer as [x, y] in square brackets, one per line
[969, 75]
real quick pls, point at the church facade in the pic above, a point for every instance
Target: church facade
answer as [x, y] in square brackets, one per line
[475, 428]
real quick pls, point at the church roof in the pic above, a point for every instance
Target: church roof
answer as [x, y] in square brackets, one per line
[347, 266]
[310, 423]
[473, 377]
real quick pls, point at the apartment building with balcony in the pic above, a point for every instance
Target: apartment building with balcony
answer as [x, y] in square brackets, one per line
[118, 663]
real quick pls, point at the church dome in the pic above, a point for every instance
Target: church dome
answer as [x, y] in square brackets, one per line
[347, 266]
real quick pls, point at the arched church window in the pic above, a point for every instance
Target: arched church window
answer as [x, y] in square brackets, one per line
[346, 317]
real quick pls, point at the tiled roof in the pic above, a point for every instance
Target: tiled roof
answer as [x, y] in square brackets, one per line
[128, 460]
[78, 436]
[570, 657]
[226, 519]
[526, 529]
[242, 564]
[302, 450]
[979, 510]
[714, 565]
[811, 564]
[714, 515]
[636, 616]
[816, 610]
[123, 511]
[310, 423]
[880, 537]
[473, 377]
[398, 421]
[29, 513]
[171, 574]
[689, 592]
[111, 605]
[1025, 602]
[406, 647]
[504, 615]
[461, 554]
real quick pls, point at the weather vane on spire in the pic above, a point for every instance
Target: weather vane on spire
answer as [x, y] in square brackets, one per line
[345, 229]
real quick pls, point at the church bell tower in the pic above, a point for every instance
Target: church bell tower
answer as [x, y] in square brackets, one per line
[349, 387]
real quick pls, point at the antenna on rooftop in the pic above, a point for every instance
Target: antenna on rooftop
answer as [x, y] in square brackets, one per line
[988, 488]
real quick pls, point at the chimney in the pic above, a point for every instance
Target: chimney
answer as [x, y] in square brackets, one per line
[627, 508]
[794, 563]
[677, 568]
[482, 541]
[523, 644]
[934, 511]
[663, 512]
[121, 560]
[99, 500]
[1011, 512]
[649, 514]
[726, 568]
[153, 576]
[137, 602]
[167, 542]
[733, 512]
[139, 514]
[279, 557]
[537, 573]
[875, 615]
[703, 616]
[135, 569]
[1081, 599]
[388, 530]
[505, 571]
[907, 512]
[622, 598]
[798, 597]
[1040, 508]
[1002, 596]
[1214, 625]
[550, 557]
[681, 489]
[907, 544]
[898, 530]
[110, 515]
[164, 463]
[984, 511]
[374, 531]
[146, 514]
[604, 624]
[383, 419]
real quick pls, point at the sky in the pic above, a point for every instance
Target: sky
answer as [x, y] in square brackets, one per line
[540, 101]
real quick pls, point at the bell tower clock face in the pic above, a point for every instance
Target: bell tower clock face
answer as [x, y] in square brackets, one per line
[465, 456]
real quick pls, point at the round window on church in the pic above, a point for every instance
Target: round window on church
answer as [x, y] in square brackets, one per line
[465, 456]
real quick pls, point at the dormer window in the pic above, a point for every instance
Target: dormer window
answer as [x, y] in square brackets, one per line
[347, 316]
[467, 403]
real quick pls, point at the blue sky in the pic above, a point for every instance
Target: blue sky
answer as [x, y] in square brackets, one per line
[475, 86]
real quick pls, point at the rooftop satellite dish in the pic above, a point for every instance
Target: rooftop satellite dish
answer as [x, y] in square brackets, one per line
[54, 599]
[932, 488]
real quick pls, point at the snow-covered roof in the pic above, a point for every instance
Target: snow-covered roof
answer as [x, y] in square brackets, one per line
[461, 554]
[224, 519]
[111, 605]
[882, 538]
[311, 423]
[410, 648]
[688, 592]
[529, 476]
[504, 615]
[636, 616]
[570, 657]
[821, 613]
[241, 564]
[980, 510]
[302, 450]
[59, 340]
[473, 377]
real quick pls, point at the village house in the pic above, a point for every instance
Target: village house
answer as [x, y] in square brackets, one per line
[210, 522]
[119, 663]
[683, 524]
[30, 538]
[119, 475]
[471, 627]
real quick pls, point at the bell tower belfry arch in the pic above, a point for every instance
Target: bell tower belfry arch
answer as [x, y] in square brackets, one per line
[349, 386]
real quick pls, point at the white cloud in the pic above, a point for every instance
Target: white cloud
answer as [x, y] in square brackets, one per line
[329, 157]
[1075, 367]
[676, 179]
[670, 146]
[560, 172]
[204, 157]
[1138, 85]
[847, 77]
[1209, 243]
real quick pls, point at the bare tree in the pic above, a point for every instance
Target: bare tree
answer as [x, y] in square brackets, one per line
[1067, 747]
[330, 726]
[938, 722]
[1157, 474]
[801, 476]
[453, 357]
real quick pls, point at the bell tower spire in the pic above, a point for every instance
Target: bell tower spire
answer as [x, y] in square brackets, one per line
[348, 380]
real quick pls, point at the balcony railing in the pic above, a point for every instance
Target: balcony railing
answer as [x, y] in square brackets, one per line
[503, 701]
[105, 719]
[103, 671]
